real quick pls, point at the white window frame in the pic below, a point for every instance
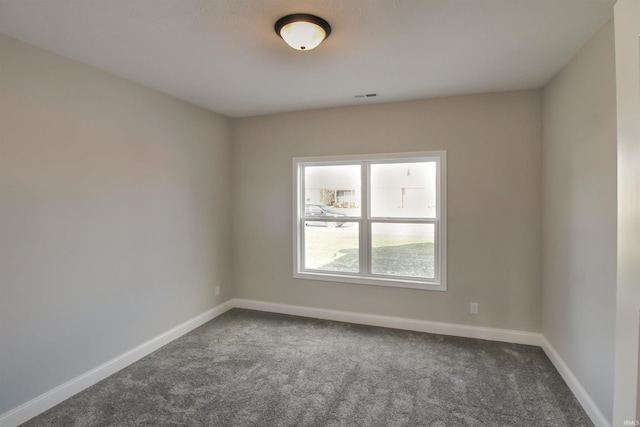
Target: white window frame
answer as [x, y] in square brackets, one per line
[438, 283]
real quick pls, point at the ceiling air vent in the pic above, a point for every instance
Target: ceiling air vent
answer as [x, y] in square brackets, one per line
[367, 95]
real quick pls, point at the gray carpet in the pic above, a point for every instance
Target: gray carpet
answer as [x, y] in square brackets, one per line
[248, 368]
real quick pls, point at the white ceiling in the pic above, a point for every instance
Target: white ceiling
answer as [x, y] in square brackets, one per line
[225, 56]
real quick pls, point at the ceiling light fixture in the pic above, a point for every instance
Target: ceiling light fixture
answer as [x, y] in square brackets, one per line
[302, 31]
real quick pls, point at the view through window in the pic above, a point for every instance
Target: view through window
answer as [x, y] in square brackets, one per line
[372, 219]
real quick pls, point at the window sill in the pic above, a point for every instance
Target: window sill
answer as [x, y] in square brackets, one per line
[373, 281]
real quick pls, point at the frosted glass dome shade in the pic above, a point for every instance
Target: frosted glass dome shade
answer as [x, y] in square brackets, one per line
[302, 32]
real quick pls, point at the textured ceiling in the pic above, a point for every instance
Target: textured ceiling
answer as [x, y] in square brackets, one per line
[225, 56]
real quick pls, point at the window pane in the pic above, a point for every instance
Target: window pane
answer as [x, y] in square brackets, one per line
[403, 190]
[336, 187]
[330, 247]
[403, 249]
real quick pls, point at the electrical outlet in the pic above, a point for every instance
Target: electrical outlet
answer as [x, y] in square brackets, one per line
[217, 290]
[474, 308]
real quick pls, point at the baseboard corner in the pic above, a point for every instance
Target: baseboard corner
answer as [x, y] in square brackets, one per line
[590, 407]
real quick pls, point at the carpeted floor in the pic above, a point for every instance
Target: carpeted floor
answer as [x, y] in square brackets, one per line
[248, 368]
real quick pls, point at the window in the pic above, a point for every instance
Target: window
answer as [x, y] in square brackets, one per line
[377, 220]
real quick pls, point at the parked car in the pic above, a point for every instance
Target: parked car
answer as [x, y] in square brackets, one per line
[323, 211]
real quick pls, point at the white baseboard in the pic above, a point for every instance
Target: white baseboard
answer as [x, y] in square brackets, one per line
[51, 398]
[493, 334]
[590, 407]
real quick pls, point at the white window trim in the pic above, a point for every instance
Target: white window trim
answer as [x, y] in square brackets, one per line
[437, 284]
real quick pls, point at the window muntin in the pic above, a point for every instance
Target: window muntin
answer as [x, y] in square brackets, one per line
[372, 219]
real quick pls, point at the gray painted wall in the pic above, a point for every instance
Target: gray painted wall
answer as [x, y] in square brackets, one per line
[579, 219]
[114, 217]
[493, 144]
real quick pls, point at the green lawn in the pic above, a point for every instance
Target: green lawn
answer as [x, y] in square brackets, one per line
[337, 250]
[333, 249]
